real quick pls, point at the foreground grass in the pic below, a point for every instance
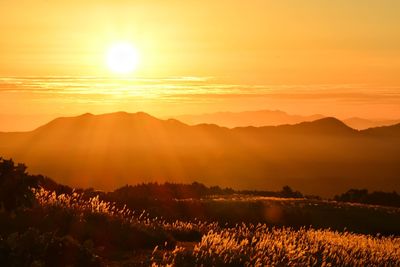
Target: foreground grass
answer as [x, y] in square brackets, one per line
[43, 223]
[258, 245]
[71, 230]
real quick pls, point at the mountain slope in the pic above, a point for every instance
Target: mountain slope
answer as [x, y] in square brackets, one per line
[106, 151]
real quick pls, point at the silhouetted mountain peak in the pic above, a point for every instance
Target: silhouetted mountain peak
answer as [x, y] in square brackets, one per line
[327, 124]
[330, 121]
[122, 115]
[87, 114]
[111, 124]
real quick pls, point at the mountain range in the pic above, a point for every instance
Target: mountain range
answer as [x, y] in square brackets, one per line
[272, 118]
[323, 157]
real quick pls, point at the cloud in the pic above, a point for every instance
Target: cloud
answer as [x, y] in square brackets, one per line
[186, 89]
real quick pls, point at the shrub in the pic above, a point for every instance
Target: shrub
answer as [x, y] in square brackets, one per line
[34, 249]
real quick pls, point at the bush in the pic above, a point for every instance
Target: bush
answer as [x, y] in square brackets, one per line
[34, 249]
[15, 185]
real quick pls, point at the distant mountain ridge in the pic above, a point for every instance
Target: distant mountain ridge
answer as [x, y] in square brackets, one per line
[272, 118]
[107, 151]
[360, 123]
[247, 118]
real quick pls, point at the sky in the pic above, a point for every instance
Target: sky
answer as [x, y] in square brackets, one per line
[339, 58]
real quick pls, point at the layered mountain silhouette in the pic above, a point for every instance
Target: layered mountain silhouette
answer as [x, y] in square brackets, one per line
[106, 151]
[272, 118]
[247, 118]
[361, 124]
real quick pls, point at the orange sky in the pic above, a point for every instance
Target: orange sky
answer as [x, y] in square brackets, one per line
[343, 55]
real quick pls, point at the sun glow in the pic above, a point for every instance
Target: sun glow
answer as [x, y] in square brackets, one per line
[122, 58]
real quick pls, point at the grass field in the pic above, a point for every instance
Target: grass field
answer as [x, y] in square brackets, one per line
[43, 223]
[120, 236]
[259, 245]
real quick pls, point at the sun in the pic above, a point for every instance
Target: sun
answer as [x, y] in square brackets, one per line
[122, 58]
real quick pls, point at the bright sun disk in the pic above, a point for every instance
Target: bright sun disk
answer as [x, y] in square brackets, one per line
[122, 58]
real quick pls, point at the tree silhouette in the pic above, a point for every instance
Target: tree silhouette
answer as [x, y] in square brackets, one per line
[288, 192]
[15, 185]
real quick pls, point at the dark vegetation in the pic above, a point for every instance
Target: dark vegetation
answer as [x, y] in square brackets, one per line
[176, 191]
[32, 234]
[391, 199]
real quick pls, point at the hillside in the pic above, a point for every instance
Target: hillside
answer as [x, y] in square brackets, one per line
[323, 157]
